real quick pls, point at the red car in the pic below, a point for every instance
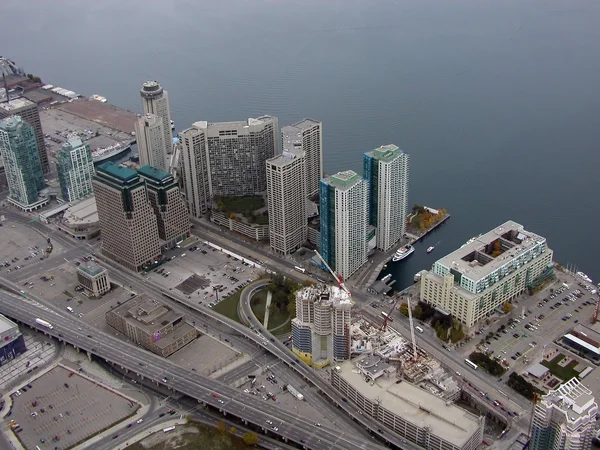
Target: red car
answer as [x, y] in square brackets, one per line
[215, 395]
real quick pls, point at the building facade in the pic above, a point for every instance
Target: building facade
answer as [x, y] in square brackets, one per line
[195, 171]
[307, 136]
[151, 324]
[127, 219]
[155, 100]
[75, 169]
[565, 418]
[12, 343]
[150, 135]
[22, 164]
[423, 419]
[386, 171]
[344, 222]
[93, 278]
[28, 111]
[286, 199]
[321, 328]
[169, 207]
[486, 272]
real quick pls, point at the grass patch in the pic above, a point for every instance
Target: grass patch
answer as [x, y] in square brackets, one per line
[564, 373]
[276, 316]
[261, 220]
[241, 204]
[206, 437]
[229, 306]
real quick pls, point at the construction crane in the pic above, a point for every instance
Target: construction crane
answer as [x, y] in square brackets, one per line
[412, 329]
[386, 316]
[337, 277]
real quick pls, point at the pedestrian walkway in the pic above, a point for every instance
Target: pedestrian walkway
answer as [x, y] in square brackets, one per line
[267, 306]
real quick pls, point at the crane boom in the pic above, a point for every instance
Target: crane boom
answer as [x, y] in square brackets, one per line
[337, 277]
[386, 318]
[412, 329]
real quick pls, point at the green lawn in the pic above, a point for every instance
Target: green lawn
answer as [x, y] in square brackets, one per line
[564, 373]
[276, 317]
[241, 204]
[229, 306]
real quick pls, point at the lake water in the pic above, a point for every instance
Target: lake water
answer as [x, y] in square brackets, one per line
[497, 102]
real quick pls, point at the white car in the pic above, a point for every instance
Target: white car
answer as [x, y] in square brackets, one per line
[275, 429]
[220, 401]
[139, 421]
[270, 422]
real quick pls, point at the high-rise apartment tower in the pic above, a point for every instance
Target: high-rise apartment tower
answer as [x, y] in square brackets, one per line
[75, 169]
[127, 220]
[344, 199]
[286, 198]
[386, 171]
[307, 135]
[29, 112]
[22, 164]
[150, 135]
[155, 100]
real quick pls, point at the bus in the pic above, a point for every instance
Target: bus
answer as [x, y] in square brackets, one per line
[166, 430]
[299, 269]
[419, 329]
[471, 364]
[387, 316]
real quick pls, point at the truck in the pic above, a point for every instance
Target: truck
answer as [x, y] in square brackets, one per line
[292, 390]
[44, 323]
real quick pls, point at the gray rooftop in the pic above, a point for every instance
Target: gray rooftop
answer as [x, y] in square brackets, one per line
[477, 259]
[285, 158]
[306, 123]
[15, 104]
[84, 212]
[537, 370]
[6, 324]
[415, 405]
[91, 268]
[233, 125]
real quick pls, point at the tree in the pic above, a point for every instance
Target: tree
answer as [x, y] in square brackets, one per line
[250, 438]
[221, 427]
[232, 430]
[507, 307]
[404, 309]
[291, 308]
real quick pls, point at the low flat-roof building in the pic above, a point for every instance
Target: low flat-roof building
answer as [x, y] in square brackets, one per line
[538, 371]
[486, 272]
[80, 220]
[12, 343]
[151, 324]
[415, 414]
[585, 340]
[93, 278]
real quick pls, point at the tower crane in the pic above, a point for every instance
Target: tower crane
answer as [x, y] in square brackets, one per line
[337, 277]
[412, 329]
[386, 318]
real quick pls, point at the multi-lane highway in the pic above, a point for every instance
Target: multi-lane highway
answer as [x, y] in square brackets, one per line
[205, 390]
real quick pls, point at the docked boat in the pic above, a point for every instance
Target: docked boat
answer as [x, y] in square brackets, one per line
[387, 278]
[430, 249]
[403, 252]
[584, 277]
[102, 154]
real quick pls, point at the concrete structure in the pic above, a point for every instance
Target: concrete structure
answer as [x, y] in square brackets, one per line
[24, 172]
[584, 339]
[227, 159]
[127, 219]
[321, 328]
[169, 207]
[344, 221]
[155, 100]
[80, 220]
[75, 169]
[565, 419]
[307, 136]
[152, 325]
[286, 197]
[252, 230]
[93, 278]
[152, 150]
[28, 111]
[386, 171]
[538, 371]
[486, 272]
[12, 343]
[415, 414]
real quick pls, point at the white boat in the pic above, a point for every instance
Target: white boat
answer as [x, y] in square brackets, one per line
[584, 277]
[403, 252]
[387, 278]
[102, 154]
[430, 249]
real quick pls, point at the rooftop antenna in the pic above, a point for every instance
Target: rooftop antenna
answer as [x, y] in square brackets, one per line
[5, 87]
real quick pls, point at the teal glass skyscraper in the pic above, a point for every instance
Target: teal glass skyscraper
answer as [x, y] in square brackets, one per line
[75, 169]
[22, 163]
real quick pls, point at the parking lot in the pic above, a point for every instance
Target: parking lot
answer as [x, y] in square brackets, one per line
[62, 408]
[40, 351]
[537, 321]
[204, 273]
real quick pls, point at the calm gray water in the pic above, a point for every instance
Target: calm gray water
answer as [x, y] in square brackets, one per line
[497, 102]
